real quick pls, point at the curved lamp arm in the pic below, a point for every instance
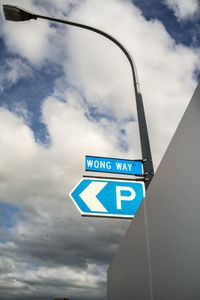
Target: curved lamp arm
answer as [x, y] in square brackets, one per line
[14, 13]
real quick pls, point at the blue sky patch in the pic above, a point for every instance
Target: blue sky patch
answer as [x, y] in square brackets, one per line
[186, 33]
[27, 94]
[8, 214]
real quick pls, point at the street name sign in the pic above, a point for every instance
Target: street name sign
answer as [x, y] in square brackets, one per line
[113, 165]
[108, 197]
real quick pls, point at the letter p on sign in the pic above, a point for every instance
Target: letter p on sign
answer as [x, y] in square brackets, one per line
[120, 197]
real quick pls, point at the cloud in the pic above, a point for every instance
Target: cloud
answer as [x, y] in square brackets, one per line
[47, 233]
[28, 41]
[22, 276]
[13, 70]
[70, 132]
[48, 282]
[184, 9]
[37, 40]
[61, 7]
[103, 73]
[41, 254]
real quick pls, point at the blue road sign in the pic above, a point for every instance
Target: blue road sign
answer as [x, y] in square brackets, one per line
[113, 165]
[108, 197]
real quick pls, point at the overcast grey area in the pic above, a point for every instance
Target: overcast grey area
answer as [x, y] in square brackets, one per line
[54, 243]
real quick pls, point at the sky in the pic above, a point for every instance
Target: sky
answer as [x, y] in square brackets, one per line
[66, 93]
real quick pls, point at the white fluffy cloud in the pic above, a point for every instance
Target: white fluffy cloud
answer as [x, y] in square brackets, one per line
[72, 135]
[165, 69]
[29, 41]
[184, 9]
[36, 40]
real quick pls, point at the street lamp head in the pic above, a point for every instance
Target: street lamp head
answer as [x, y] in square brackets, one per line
[16, 14]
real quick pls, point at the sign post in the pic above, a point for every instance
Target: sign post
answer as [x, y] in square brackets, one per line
[108, 197]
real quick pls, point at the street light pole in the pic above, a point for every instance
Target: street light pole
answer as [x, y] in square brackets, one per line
[13, 13]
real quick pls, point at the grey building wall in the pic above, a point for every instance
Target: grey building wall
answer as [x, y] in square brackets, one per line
[159, 257]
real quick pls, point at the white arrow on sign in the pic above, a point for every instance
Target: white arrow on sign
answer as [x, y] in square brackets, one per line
[89, 196]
